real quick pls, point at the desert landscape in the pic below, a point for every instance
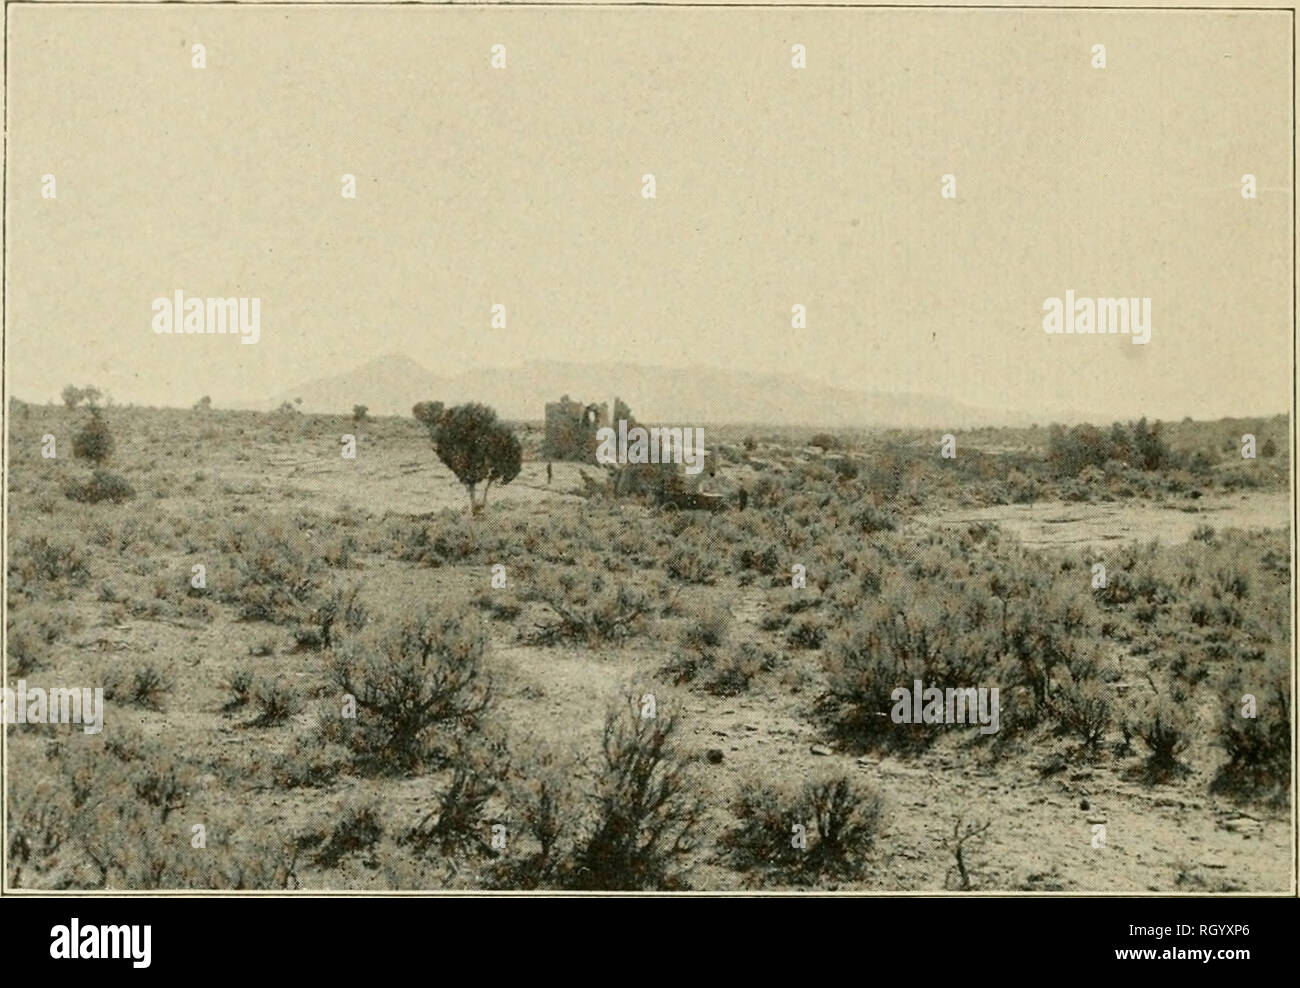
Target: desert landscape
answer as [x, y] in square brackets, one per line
[648, 449]
[569, 688]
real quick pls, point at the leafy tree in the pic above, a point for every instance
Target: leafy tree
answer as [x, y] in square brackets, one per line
[74, 396]
[477, 448]
[203, 404]
[427, 412]
[359, 413]
[1140, 444]
[1152, 451]
[1120, 444]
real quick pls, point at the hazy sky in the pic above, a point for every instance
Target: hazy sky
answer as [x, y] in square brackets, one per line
[775, 186]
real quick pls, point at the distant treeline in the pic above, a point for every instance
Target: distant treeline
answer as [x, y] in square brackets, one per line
[1137, 444]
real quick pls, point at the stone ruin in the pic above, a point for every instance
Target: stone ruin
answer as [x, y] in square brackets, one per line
[570, 434]
[571, 430]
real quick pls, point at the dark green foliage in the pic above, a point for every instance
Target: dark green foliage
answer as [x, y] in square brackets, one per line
[475, 446]
[1140, 445]
[94, 442]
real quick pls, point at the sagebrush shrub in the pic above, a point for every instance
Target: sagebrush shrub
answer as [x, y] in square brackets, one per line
[1083, 709]
[885, 649]
[823, 832]
[690, 564]
[31, 632]
[101, 486]
[1258, 747]
[547, 810]
[765, 561]
[276, 701]
[307, 763]
[645, 817]
[708, 628]
[808, 633]
[734, 670]
[1165, 728]
[352, 829]
[587, 607]
[144, 686]
[869, 520]
[37, 560]
[102, 816]
[418, 683]
[457, 824]
[274, 573]
[241, 689]
[341, 609]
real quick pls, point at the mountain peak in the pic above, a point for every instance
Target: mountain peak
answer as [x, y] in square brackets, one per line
[389, 384]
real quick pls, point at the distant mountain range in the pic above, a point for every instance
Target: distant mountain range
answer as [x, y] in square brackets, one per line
[391, 384]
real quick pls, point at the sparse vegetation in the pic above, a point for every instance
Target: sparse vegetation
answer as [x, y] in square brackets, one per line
[303, 649]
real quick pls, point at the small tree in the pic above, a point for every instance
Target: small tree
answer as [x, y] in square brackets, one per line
[964, 832]
[203, 404]
[428, 412]
[74, 396]
[359, 413]
[477, 448]
[94, 442]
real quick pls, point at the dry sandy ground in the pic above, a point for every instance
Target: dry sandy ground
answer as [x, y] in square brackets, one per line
[1049, 524]
[1171, 837]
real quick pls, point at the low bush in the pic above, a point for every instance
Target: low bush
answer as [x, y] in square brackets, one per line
[822, 833]
[276, 700]
[1256, 736]
[274, 574]
[101, 486]
[1164, 726]
[1083, 709]
[418, 684]
[646, 817]
[145, 686]
[587, 607]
